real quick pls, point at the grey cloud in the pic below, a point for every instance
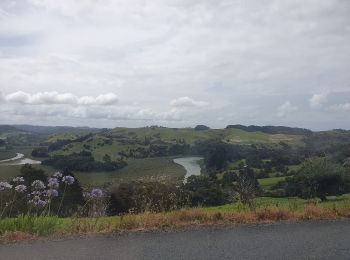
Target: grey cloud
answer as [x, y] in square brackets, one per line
[340, 107]
[229, 54]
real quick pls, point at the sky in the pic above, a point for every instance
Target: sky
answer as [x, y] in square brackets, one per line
[175, 63]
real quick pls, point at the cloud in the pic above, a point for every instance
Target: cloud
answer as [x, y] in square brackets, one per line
[103, 113]
[340, 107]
[103, 100]
[286, 108]
[187, 102]
[318, 99]
[40, 98]
[230, 54]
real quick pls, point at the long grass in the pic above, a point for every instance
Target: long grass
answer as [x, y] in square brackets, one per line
[267, 210]
[35, 225]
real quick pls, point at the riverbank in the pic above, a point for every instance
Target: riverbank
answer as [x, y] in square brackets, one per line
[19, 159]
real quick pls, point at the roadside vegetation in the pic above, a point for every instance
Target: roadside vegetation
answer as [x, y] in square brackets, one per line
[126, 179]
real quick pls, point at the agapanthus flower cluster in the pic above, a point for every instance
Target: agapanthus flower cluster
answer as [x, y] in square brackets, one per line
[38, 198]
[21, 188]
[38, 185]
[53, 183]
[96, 193]
[18, 180]
[57, 175]
[5, 185]
[51, 193]
[38, 202]
[69, 180]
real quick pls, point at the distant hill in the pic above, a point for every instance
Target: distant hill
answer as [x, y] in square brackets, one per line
[272, 129]
[7, 129]
[159, 141]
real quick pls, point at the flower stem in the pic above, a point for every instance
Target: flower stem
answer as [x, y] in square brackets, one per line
[64, 192]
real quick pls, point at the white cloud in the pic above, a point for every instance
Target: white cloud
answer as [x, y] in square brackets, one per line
[187, 102]
[103, 100]
[286, 108]
[40, 98]
[318, 99]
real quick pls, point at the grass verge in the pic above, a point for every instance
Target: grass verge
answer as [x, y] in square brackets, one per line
[267, 210]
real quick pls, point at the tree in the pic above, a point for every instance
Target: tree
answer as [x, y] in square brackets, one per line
[205, 191]
[107, 158]
[217, 156]
[30, 174]
[201, 128]
[247, 186]
[318, 177]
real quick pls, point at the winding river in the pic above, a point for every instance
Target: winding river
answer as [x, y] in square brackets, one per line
[191, 165]
[19, 160]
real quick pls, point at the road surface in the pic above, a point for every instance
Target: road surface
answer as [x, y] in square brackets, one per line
[305, 240]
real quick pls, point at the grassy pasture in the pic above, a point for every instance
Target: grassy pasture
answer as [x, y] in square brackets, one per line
[150, 169]
[7, 154]
[267, 183]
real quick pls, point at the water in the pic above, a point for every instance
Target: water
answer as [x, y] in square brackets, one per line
[190, 164]
[19, 160]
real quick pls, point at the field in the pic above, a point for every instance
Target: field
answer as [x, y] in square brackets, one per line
[267, 183]
[6, 155]
[151, 169]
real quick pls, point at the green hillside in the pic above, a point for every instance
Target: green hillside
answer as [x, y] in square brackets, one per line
[124, 139]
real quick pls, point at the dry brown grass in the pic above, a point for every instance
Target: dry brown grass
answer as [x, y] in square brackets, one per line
[16, 236]
[190, 217]
[184, 218]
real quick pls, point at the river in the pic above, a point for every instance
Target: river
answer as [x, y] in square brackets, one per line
[191, 165]
[19, 160]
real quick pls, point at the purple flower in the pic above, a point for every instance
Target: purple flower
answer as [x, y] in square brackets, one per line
[51, 193]
[69, 180]
[96, 193]
[38, 202]
[38, 185]
[53, 183]
[21, 188]
[57, 175]
[18, 179]
[36, 193]
[5, 185]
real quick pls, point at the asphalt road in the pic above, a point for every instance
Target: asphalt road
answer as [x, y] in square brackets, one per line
[305, 240]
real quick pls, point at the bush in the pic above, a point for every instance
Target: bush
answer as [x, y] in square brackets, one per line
[204, 191]
[84, 162]
[145, 196]
[40, 152]
[318, 177]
